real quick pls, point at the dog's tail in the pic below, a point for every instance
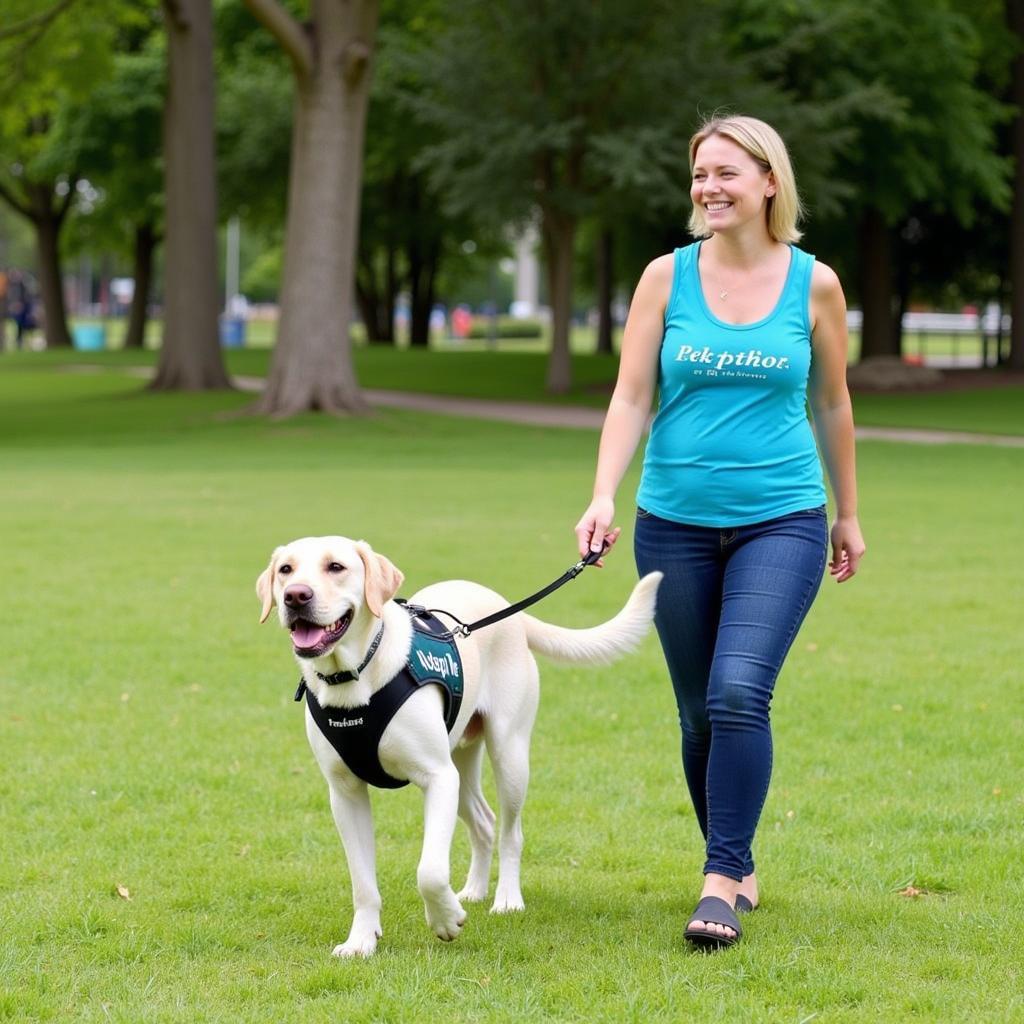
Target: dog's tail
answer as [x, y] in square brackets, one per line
[602, 644]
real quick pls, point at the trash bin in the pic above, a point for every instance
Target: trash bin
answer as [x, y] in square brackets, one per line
[89, 337]
[232, 332]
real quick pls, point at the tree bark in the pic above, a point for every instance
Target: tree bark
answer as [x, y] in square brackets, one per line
[146, 240]
[1015, 22]
[190, 356]
[51, 281]
[559, 233]
[878, 337]
[376, 294]
[423, 266]
[605, 286]
[36, 203]
[312, 364]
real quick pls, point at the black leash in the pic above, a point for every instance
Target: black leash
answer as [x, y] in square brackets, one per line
[464, 629]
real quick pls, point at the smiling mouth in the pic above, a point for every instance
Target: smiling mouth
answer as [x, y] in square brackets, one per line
[311, 640]
[716, 207]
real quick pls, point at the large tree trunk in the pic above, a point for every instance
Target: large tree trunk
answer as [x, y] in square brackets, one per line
[559, 233]
[1015, 21]
[145, 245]
[190, 356]
[878, 337]
[51, 281]
[605, 287]
[312, 365]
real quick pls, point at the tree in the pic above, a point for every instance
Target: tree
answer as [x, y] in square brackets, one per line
[1015, 23]
[190, 356]
[51, 60]
[119, 138]
[547, 109]
[920, 132]
[330, 55]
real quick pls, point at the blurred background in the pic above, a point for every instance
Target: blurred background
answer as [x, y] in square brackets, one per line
[190, 175]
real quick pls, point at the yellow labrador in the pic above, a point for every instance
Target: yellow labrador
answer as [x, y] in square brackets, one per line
[336, 595]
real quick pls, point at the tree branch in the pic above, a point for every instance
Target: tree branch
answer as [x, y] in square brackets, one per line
[9, 197]
[288, 32]
[37, 21]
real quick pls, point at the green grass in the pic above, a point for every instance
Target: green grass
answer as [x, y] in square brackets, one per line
[511, 375]
[150, 741]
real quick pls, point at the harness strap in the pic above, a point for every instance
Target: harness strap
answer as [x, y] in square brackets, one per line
[464, 629]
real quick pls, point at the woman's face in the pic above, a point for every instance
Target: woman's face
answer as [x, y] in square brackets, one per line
[728, 184]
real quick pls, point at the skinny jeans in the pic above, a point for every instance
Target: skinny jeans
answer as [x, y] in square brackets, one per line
[729, 608]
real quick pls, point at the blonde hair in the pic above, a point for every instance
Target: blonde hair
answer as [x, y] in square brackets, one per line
[764, 144]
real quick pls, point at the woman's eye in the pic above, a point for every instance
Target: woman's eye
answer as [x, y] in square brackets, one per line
[335, 567]
[285, 569]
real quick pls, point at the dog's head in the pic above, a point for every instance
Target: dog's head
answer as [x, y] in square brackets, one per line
[321, 585]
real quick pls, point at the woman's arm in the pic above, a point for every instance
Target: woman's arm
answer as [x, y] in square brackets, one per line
[630, 404]
[833, 416]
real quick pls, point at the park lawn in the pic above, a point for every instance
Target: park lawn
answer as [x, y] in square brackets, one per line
[519, 376]
[150, 741]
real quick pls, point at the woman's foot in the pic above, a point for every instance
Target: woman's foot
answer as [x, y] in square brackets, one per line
[747, 896]
[709, 931]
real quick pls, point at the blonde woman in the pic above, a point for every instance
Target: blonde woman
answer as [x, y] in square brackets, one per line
[737, 332]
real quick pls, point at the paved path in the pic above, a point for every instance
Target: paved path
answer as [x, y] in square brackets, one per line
[538, 414]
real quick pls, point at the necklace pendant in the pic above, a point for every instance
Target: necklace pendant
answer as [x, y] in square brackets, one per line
[723, 295]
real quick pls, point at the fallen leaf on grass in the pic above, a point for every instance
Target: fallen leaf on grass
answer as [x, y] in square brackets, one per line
[122, 891]
[912, 891]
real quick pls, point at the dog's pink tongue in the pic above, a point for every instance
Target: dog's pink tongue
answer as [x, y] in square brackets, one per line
[307, 634]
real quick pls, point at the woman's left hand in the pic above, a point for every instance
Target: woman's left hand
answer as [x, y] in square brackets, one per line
[847, 548]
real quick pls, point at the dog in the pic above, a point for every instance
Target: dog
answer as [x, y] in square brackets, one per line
[337, 598]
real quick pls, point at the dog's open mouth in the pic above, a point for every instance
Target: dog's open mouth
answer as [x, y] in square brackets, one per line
[311, 640]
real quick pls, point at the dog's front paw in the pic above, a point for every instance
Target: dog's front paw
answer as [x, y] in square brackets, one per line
[446, 921]
[359, 943]
[507, 902]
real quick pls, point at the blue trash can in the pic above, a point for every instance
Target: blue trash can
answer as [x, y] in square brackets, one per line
[232, 332]
[89, 337]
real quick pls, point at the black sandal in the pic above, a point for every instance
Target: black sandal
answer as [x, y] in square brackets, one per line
[713, 910]
[743, 905]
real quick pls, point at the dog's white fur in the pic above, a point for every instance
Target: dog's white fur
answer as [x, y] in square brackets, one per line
[499, 705]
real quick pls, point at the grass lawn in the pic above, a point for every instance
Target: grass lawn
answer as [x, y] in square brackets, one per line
[152, 751]
[512, 375]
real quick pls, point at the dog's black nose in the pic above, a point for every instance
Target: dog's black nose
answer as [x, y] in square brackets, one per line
[298, 596]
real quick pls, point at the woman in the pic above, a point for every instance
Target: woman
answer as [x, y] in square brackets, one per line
[738, 331]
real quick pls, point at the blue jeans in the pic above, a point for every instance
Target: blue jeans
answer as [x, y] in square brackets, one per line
[729, 608]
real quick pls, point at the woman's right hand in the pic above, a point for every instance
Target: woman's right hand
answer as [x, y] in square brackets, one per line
[594, 529]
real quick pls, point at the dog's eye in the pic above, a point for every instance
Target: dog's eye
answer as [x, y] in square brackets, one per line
[285, 569]
[335, 567]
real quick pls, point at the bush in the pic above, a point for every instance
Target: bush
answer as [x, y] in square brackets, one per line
[508, 327]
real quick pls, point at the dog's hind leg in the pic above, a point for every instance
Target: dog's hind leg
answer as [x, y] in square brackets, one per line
[511, 761]
[478, 817]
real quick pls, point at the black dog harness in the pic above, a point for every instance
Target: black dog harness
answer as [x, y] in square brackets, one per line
[355, 732]
[433, 659]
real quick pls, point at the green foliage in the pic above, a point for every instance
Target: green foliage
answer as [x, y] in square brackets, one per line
[507, 327]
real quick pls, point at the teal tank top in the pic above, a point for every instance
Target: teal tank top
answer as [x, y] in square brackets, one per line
[731, 443]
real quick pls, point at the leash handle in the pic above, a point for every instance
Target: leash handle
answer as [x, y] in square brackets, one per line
[464, 629]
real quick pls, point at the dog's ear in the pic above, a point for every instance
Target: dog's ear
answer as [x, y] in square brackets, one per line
[382, 578]
[265, 586]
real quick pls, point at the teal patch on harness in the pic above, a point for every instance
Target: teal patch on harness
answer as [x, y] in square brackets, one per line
[434, 658]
